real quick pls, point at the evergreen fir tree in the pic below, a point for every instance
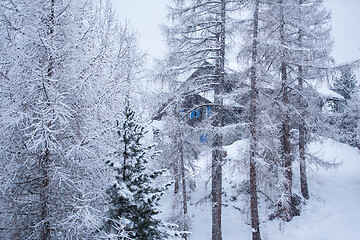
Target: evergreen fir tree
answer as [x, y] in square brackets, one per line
[346, 84]
[133, 196]
[198, 36]
[349, 121]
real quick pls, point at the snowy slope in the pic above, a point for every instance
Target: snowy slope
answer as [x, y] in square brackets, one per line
[332, 213]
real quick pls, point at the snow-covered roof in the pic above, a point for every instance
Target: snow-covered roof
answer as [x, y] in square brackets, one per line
[158, 124]
[325, 92]
[232, 103]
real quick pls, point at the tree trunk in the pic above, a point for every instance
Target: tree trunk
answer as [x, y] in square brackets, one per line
[176, 177]
[285, 127]
[253, 128]
[302, 141]
[302, 144]
[216, 188]
[44, 163]
[185, 226]
[286, 149]
[217, 156]
[302, 128]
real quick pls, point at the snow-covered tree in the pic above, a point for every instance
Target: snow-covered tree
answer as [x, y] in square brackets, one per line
[181, 147]
[348, 122]
[345, 85]
[61, 70]
[252, 57]
[133, 195]
[198, 36]
[43, 141]
[311, 58]
[293, 53]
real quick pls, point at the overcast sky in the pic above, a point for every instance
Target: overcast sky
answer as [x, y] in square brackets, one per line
[145, 16]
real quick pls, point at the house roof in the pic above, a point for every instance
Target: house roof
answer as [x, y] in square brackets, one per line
[201, 80]
[325, 92]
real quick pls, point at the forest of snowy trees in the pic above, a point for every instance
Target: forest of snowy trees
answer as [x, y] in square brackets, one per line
[87, 152]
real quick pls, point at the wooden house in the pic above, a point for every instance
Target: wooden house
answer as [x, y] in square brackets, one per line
[196, 105]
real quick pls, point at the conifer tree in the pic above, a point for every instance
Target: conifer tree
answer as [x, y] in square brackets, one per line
[312, 57]
[348, 121]
[133, 196]
[351, 119]
[345, 85]
[253, 125]
[51, 70]
[184, 152]
[198, 36]
[289, 47]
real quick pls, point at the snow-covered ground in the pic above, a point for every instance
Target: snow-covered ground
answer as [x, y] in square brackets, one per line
[332, 213]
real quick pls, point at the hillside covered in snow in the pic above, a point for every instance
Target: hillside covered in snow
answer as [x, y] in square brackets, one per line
[331, 213]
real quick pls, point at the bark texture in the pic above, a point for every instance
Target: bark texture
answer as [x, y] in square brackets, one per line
[285, 126]
[185, 226]
[302, 128]
[253, 132]
[217, 152]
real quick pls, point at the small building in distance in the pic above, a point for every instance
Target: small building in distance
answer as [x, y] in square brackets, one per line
[195, 99]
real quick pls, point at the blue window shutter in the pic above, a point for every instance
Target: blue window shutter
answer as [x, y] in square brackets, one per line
[208, 111]
[192, 114]
[197, 113]
[203, 138]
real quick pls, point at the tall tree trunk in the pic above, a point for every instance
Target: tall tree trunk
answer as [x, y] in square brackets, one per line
[217, 151]
[216, 187]
[302, 128]
[185, 226]
[302, 139]
[177, 162]
[285, 126]
[302, 144]
[176, 177]
[44, 164]
[286, 149]
[253, 130]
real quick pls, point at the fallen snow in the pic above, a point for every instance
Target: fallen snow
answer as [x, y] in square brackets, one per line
[332, 213]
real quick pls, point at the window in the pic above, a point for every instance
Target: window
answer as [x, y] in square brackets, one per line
[203, 138]
[208, 111]
[195, 114]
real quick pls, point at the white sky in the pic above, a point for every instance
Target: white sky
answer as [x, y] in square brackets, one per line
[345, 29]
[145, 16]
